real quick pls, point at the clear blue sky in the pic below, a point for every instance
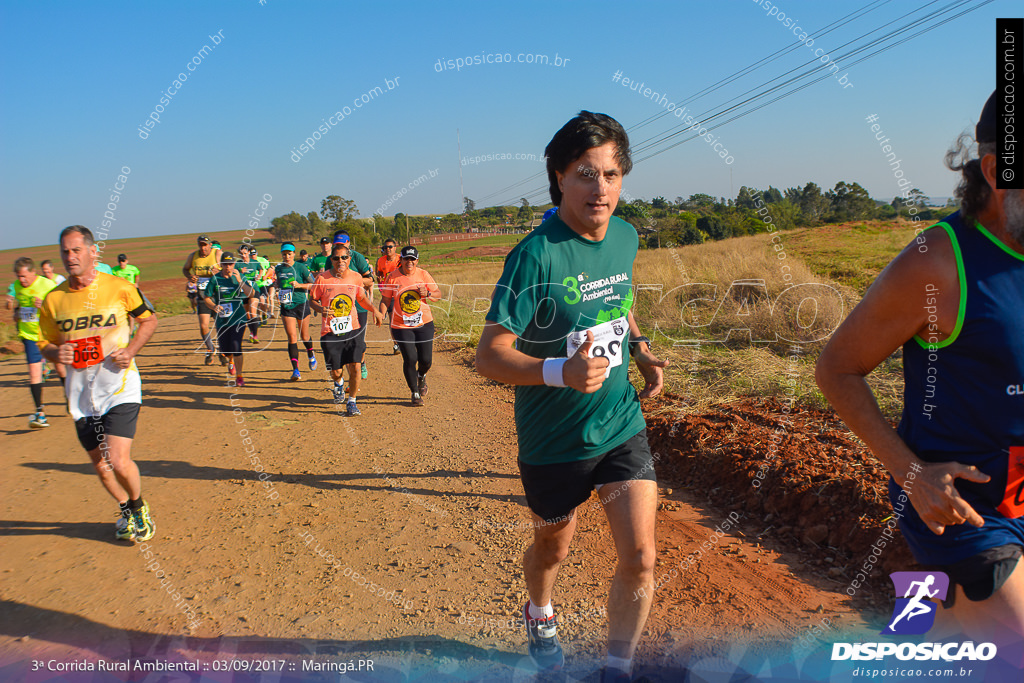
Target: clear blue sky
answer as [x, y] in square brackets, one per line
[81, 77]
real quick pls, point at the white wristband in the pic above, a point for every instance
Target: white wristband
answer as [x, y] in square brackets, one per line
[553, 372]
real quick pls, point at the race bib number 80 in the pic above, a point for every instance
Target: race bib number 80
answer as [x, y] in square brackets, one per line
[609, 340]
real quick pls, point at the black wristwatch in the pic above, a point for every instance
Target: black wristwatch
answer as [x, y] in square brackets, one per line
[633, 343]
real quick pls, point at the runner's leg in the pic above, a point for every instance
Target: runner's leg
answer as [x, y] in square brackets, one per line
[290, 329]
[631, 516]
[117, 471]
[544, 556]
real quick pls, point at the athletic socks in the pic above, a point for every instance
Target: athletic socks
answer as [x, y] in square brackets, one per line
[293, 355]
[253, 325]
[541, 612]
[308, 343]
[126, 511]
[623, 665]
[37, 395]
[208, 340]
[135, 504]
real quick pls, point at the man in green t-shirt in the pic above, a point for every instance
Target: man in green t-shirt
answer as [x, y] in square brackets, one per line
[126, 271]
[29, 291]
[293, 282]
[361, 265]
[266, 284]
[561, 329]
[322, 261]
[225, 296]
[250, 270]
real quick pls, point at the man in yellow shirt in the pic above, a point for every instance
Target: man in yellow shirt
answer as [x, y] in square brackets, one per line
[29, 291]
[88, 322]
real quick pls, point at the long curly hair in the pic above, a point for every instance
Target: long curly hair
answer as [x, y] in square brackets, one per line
[973, 191]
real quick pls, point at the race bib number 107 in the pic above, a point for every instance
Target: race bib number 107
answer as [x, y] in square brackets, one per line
[609, 340]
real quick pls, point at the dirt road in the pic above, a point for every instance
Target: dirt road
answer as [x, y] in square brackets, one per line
[422, 506]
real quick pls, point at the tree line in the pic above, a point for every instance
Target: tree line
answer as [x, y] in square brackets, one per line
[660, 222]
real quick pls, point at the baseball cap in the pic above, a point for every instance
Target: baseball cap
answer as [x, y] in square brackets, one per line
[226, 257]
[287, 246]
[325, 240]
[122, 257]
[987, 129]
[342, 239]
[303, 252]
[202, 238]
[549, 213]
[410, 252]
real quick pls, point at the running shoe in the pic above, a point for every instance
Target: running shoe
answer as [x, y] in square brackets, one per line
[224, 359]
[38, 421]
[239, 382]
[542, 640]
[231, 367]
[352, 409]
[46, 371]
[209, 359]
[124, 527]
[422, 385]
[417, 400]
[394, 350]
[144, 526]
[295, 375]
[312, 363]
[339, 392]
[253, 340]
[362, 372]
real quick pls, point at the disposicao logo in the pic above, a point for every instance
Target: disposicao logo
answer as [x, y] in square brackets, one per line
[914, 613]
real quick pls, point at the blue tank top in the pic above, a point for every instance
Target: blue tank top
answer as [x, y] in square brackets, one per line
[964, 397]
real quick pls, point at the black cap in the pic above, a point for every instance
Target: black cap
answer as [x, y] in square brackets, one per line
[325, 240]
[202, 238]
[226, 257]
[303, 252]
[122, 257]
[410, 252]
[987, 129]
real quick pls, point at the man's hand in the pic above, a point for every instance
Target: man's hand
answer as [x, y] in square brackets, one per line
[377, 318]
[934, 495]
[650, 367]
[583, 373]
[66, 354]
[122, 358]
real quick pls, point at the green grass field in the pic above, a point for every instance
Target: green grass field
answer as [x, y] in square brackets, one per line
[848, 257]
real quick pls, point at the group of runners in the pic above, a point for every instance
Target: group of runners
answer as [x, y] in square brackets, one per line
[239, 294]
[954, 299]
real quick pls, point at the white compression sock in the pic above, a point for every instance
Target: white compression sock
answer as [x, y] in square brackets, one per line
[541, 612]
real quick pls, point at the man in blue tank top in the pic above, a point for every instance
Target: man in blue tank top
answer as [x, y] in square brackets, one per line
[954, 300]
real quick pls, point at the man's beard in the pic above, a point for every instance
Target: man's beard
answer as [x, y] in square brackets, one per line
[1013, 208]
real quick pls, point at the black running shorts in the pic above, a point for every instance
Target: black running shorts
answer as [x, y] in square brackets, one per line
[118, 421]
[342, 351]
[554, 491]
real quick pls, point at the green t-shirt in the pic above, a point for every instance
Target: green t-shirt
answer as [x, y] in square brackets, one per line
[129, 273]
[287, 276]
[104, 268]
[359, 264]
[27, 312]
[320, 263]
[556, 283]
[249, 270]
[264, 265]
[228, 293]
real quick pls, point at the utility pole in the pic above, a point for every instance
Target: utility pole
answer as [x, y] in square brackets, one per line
[462, 190]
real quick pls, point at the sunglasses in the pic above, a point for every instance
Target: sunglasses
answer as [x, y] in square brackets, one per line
[340, 258]
[389, 246]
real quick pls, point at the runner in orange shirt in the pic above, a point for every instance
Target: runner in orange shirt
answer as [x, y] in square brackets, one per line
[412, 324]
[387, 264]
[334, 295]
